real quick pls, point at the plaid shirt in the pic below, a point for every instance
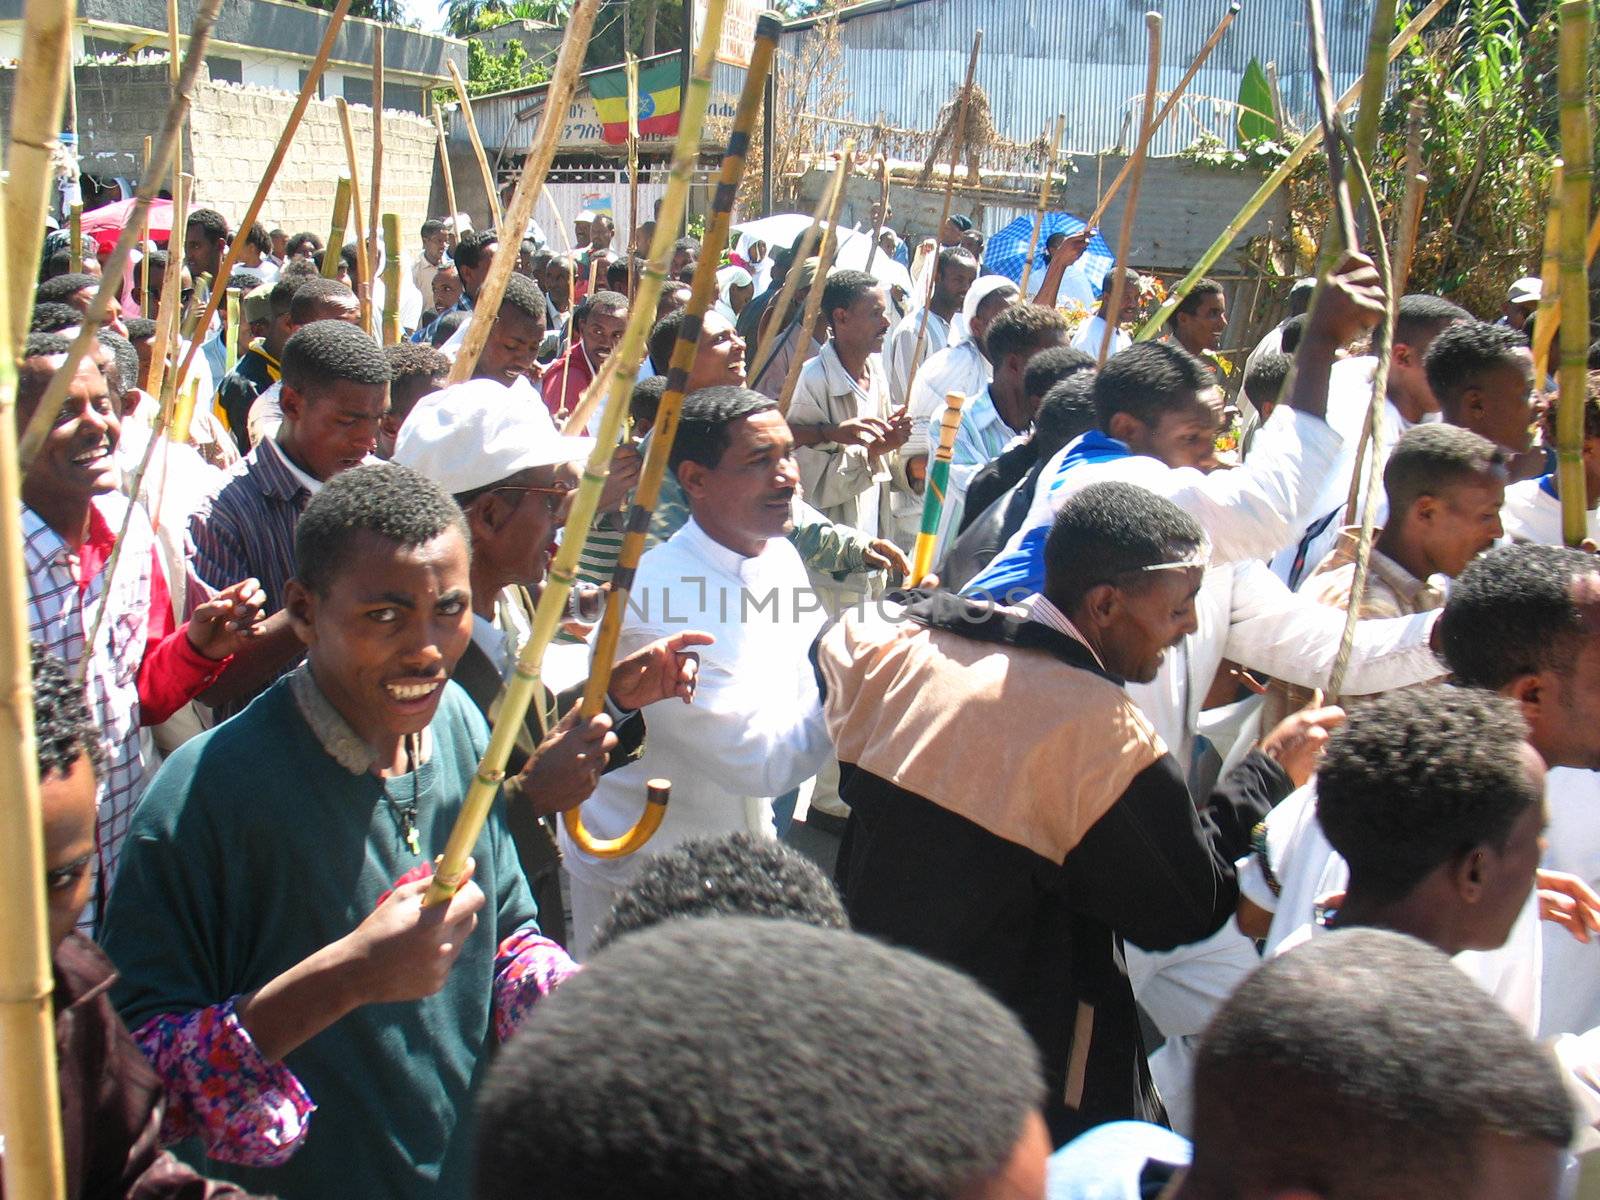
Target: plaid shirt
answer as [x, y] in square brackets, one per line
[61, 610]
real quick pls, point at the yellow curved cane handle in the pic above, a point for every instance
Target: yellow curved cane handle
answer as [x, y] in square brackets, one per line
[657, 793]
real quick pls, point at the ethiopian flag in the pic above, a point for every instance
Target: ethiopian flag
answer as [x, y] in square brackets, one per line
[658, 100]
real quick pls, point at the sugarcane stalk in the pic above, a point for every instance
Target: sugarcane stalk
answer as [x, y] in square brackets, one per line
[341, 211]
[1044, 201]
[30, 1106]
[535, 166]
[391, 278]
[1130, 210]
[169, 309]
[477, 143]
[1409, 224]
[449, 179]
[633, 171]
[525, 680]
[1162, 114]
[1549, 317]
[773, 338]
[49, 406]
[1302, 150]
[230, 349]
[41, 84]
[1577, 148]
[957, 141]
[1546, 318]
[363, 288]
[75, 232]
[375, 195]
[285, 138]
[830, 247]
[938, 483]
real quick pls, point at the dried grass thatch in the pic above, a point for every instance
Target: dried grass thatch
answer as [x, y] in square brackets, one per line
[977, 134]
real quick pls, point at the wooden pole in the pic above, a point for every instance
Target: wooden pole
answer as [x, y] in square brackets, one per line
[75, 232]
[230, 349]
[535, 166]
[477, 144]
[44, 415]
[525, 680]
[168, 308]
[341, 212]
[30, 1105]
[290, 128]
[1044, 202]
[449, 181]
[1410, 218]
[375, 193]
[768, 347]
[391, 278]
[41, 83]
[1303, 150]
[1165, 111]
[633, 168]
[144, 241]
[1577, 148]
[1113, 310]
[883, 210]
[830, 247]
[957, 141]
[1547, 317]
[933, 494]
[363, 288]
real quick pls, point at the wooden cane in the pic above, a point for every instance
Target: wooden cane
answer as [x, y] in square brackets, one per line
[1571, 378]
[1302, 150]
[938, 483]
[290, 128]
[957, 140]
[633, 172]
[49, 406]
[1545, 319]
[449, 179]
[391, 278]
[525, 681]
[883, 211]
[363, 282]
[1113, 310]
[477, 143]
[37, 100]
[830, 247]
[1409, 223]
[169, 308]
[230, 349]
[1165, 111]
[341, 211]
[769, 344]
[375, 191]
[653, 471]
[1044, 202]
[75, 232]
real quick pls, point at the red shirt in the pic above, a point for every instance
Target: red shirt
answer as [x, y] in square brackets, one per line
[566, 378]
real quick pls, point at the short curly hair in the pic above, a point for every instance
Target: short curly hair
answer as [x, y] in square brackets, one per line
[300, 241]
[392, 502]
[1108, 532]
[660, 1071]
[312, 294]
[1463, 354]
[1418, 776]
[739, 875]
[52, 316]
[63, 730]
[1023, 329]
[1146, 380]
[1429, 458]
[1052, 366]
[62, 286]
[414, 360]
[472, 248]
[1512, 613]
[705, 420]
[524, 296]
[324, 351]
[212, 223]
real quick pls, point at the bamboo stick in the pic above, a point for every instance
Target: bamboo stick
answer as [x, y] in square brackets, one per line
[1152, 24]
[170, 305]
[75, 232]
[1303, 149]
[1044, 202]
[144, 241]
[933, 494]
[30, 1106]
[44, 415]
[535, 166]
[290, 127]
[830, 247]
[769, 343]
[701, 298]
[1165, 111]
[375, 196]
[633, 171]
[173, 57]
[1546, 318]
[477, 144]
[1577, 148]
[341, 212]
[363, 282]
[1410, 218]
[525, 680]
[35, 121]
[230, 349]
[957, 141]
[391, 278]
[1551, 316]
[449, 182]
[883, 211]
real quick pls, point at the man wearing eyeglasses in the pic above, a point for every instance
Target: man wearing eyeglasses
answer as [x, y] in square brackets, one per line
[498, 453]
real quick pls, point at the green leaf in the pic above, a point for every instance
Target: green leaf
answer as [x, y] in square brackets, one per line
[1256, 120]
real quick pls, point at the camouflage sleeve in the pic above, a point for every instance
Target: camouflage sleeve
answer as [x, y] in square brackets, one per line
[825, 546]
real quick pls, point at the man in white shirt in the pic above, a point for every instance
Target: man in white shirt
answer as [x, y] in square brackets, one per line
[433, 258]
[1091, 334]
[962, 366]
[952, 278]
[755, 729]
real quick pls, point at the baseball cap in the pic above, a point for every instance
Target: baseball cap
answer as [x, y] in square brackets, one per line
[257, 303]
[1527, 290]
[473, 434]
[960, 222]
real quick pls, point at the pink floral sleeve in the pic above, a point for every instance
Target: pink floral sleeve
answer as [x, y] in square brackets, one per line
[220, 1089]
[528, 967]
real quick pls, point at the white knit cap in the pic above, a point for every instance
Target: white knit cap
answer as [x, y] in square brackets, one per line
[983, 287]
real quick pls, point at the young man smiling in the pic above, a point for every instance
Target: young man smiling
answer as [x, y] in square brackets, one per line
[278, 927]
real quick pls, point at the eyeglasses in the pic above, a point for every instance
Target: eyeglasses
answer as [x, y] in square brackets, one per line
[554, 496]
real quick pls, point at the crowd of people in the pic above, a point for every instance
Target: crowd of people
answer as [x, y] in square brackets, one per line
[1048, 874]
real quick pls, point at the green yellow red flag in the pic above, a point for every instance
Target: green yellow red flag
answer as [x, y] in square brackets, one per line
[658, 100]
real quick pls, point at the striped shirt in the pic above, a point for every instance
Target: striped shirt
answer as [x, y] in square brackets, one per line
[247, 529]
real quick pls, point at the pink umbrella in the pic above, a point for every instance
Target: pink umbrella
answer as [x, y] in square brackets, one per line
[105, 223]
